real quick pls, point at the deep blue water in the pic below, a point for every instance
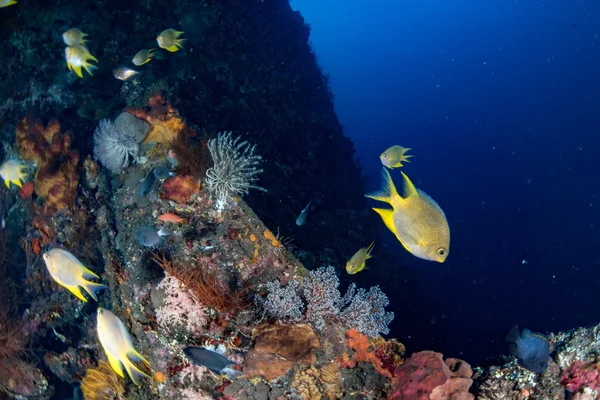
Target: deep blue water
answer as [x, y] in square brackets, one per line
[500, 101]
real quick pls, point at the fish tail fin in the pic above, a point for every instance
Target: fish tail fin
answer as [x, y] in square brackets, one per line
[92, 288]
[163, 231]
[133, 355]
[232, 373]
[370, 249]
[88, 274]
[134, 372]
[90, 68]
[84, 41]
[179, 42]
[513, 335]
[388, 189]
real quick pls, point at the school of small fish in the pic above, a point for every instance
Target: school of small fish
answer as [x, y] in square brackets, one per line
[78, 56]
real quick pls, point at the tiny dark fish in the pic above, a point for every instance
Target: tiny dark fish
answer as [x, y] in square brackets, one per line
[211, 360]
[163, 172]
[148, 236]
[147, 183]
[531, 350]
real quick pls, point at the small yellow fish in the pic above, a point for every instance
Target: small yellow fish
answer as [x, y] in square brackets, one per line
[6, 3]
[169, 40]
[395, 156]
[142, 57]
[74, 37]
[124, 73]
[11, 171]
[77, 56]
[117, 345]
[70, 273]
[416, 219]
[359, 260]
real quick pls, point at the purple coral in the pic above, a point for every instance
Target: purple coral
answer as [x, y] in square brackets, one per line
[180, 308]
[317, 299]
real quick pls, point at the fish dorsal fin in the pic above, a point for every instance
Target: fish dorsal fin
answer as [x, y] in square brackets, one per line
[426, 198]
[409, 190]
[388, 189]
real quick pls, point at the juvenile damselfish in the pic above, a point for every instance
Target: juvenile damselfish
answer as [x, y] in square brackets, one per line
[12, 171]
[116, 342]
[71, 274]
[73, 37]
[394, 156]
[78, 56]
[142, 57]
[169, 40]
[415, 218]
[358, 261]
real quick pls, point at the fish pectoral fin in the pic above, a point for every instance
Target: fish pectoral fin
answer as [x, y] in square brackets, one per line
[388, 218]
[115, 364]
[76, 290]
[134, 372]
[92, 288]
[133, 355]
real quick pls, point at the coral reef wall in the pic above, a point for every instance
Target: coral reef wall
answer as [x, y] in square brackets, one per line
[246, 66]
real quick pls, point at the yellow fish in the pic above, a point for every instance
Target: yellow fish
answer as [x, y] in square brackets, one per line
[77, 56]
[11, 171]
[142, 57]
[70, 273]
[6, 3]
[359, 260]
[74, 37]
[395, 156]
[416, 219]
[169, 40]
[117, 345]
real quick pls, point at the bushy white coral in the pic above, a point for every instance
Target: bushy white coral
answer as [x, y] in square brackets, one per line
[235, 167]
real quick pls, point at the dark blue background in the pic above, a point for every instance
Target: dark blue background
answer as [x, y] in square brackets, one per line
[500, 102]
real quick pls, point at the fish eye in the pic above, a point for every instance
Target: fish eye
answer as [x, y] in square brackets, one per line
[161, 37]
[441, 252]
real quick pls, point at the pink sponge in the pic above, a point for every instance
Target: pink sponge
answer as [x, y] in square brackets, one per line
[425, 376]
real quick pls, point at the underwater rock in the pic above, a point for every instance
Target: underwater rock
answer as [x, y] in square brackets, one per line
[277, 348]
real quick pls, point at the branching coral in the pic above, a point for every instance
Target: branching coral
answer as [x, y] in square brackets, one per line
[102, 383]
[203, 282]
[56, 178]
[180, 308]
[316, 299]
[235, 167]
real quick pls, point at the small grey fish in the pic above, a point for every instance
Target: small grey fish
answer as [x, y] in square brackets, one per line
[211, 360]
[163, 172]
[124, 73]
[147, 183]
[147, 236]
[301, 220]
[531, 350]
